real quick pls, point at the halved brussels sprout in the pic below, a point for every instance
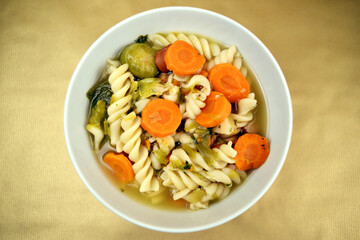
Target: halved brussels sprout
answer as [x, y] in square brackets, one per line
[141, 60]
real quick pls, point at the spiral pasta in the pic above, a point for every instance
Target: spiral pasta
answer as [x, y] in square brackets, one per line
[173, 94]
[235, 121]
[140, 105]
[130, 138]
[230, 55]
[164, 145]
[202, 45]
[245, 114]
[197, 161]
[111, 66]
[216, 191]
[182, 179]
[120, 81]
[226, 155]
[194, 101]
[144, 173]
[185, 186]
[173, 77]
[184, 138]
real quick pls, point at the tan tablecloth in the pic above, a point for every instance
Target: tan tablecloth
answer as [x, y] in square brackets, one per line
[316, 195]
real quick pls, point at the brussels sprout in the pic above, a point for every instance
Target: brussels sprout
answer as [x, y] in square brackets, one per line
[141, 60]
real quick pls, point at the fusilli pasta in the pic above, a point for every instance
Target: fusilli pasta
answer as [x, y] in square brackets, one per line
[204, 47]
[130, 138]
[230, 55]
[144, 173]
[120, 81]
[235, 121]
[194, 100]
[226, 155]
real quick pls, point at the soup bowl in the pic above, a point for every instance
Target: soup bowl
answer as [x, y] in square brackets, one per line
[178, 19]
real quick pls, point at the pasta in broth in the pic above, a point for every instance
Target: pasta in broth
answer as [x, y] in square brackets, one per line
[178, 121]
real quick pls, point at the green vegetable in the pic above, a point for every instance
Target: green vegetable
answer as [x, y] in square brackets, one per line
[98, 124]
[187, 166]
[101, 91]
[106, 127]
[196, 195]
[190, 126]
[161, 156]
[141, 60]
[202, 135]
[209, 155]
[98, 113]
[181, 97]
[151, 86]
[191, 152]
[176, 163]
[141, 39]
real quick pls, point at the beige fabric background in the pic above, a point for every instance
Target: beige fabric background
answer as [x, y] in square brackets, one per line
[316, 195]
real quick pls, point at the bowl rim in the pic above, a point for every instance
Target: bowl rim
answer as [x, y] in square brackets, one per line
[186, 229]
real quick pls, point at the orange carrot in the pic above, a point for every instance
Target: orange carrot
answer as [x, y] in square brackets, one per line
[216, 110]
[183, 59]
[121, 166]
[179, 203]
[227, 79]
[204, 73]
[161, 117]
[252, 151]
[160, 59]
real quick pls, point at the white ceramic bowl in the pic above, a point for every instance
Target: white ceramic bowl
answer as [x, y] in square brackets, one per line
[219, 28]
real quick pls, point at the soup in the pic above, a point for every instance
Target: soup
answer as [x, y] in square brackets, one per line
[177, 121]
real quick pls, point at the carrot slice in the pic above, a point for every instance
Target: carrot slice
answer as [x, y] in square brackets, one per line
[160, 59]
[161, 117]
[183, 59]
[252, 151]
[227, 79]
[216, 110]
[121, 166]
[179, 203]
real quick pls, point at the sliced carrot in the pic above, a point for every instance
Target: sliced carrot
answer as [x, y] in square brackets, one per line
[204, 73]
[183, 59]
[160, 59]
[121, 166]
[161, 117]
[227, 79]
[179, 203]
[252, 151]
[216, 110]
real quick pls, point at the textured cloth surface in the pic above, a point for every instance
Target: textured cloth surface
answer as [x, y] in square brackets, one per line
[316, 195]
